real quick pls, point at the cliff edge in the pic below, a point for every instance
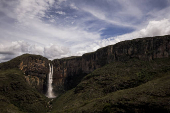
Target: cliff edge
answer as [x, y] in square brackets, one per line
[68, 72]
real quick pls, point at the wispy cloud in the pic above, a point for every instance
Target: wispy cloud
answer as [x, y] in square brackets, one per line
[154, 28]
[102, 16]
[59, 28]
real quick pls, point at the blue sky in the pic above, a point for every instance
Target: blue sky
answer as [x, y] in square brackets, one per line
[62, 28]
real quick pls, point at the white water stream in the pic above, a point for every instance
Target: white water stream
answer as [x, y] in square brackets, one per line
[50, 93]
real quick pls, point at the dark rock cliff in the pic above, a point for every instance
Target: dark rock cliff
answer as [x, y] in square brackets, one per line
[68, 72]
[34, 67]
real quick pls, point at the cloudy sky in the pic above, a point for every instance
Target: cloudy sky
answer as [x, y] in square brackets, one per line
[61, 28]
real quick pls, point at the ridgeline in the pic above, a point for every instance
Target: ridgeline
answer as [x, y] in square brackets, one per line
[130, 76]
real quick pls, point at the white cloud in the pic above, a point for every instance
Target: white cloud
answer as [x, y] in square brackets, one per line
[16, 47]
[72, 5]
[20, 47]
[38, 34]
[31, 9]
[52, 20]
[60, 1]
[12, 50]
[79, 53]
[33, 29]
[61, 12]
[154, 28]
[36, 49]
[55, 51]
[36, 23]
[51, 2]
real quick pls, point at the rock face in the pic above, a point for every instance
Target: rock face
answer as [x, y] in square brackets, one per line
[68, 72]
[34, 67]
[36, 70]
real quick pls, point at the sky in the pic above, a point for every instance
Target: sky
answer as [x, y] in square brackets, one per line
[62, 28]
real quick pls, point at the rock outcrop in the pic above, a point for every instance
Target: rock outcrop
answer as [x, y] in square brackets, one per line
[34, 67]
[68, 72]
[36, 70]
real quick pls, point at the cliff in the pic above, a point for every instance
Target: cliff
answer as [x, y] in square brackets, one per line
[68, 72]
[130, 76]
[34, 67]
[132, 86]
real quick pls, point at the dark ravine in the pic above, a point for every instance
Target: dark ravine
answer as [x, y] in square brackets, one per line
[68, 72]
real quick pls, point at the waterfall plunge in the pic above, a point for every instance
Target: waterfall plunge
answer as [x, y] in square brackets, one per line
[50, 93]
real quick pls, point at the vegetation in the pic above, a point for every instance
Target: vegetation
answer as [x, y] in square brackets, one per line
[14, 63]
[16, 96]
[126, 85]
[129, 86]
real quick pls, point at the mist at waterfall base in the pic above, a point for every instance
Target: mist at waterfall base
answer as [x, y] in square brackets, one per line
[50, 93]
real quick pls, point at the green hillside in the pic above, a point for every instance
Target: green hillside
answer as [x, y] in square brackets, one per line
[130, 86]
[16, 96]
[15, 62]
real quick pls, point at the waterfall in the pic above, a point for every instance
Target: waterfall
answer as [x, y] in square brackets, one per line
[50, 93]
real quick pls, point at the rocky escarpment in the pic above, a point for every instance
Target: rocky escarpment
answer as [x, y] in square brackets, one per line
[68, 72]
[34, 67]
[132, 86]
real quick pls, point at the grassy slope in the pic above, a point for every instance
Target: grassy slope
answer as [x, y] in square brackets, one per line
[17, 96]
[132, 86]
[14, 63]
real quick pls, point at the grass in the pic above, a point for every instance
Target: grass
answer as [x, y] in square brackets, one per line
[131, 86]
[14, 63]
[17, 96]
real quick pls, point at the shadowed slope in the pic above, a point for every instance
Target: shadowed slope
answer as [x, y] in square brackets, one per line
[16, 95]
[130, 86]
